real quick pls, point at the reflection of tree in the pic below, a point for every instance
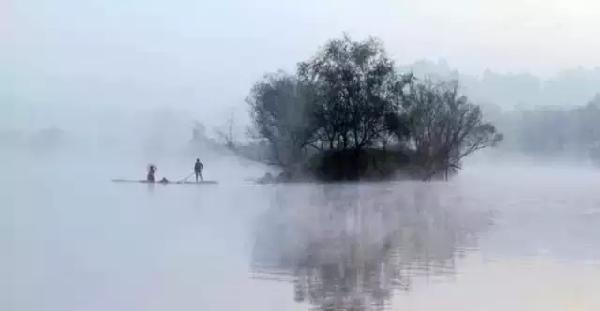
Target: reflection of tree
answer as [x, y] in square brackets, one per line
[349, 247]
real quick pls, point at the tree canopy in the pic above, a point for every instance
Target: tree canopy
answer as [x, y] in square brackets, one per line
[356, 84]
[350, 99]
[445, 127]
[281, 108]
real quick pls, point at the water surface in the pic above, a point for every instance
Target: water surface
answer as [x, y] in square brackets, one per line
[502, 238]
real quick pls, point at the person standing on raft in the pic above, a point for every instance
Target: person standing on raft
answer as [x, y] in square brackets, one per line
[198, 169]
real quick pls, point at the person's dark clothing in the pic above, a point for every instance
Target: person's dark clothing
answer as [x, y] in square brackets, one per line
[198, 170]
[150, 176]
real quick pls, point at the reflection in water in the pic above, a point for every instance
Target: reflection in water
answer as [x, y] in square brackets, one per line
[349, 247]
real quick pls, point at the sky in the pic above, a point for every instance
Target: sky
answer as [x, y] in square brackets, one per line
[60, 56]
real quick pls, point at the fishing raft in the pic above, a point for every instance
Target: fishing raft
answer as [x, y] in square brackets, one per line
[168, 182]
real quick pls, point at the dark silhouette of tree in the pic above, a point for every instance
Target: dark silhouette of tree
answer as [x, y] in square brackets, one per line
[281, 109]
[445, 127]
[355, 83]
[338, 115]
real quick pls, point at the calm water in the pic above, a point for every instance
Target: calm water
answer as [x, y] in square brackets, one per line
[503, 238]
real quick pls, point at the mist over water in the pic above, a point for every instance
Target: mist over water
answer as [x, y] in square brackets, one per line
[497, 237]
[92, 91]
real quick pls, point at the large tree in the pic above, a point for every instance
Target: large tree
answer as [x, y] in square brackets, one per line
[281, 109]
[355, 83]
[348, 101]
[445, 127]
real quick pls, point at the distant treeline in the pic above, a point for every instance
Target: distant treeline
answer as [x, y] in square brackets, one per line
[349, 113]
[567, 88]
[547, 131]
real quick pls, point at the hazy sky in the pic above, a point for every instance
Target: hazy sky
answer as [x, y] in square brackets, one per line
[203, 56]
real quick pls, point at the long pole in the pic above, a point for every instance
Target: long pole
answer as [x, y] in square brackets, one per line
[186, 178]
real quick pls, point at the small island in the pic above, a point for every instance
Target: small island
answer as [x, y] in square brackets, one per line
[348, 113]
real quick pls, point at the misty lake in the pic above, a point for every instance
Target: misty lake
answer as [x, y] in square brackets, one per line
[493, 238]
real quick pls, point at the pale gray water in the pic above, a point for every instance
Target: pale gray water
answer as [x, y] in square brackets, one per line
[504, 238]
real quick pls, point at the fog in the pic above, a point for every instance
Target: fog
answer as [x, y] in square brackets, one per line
[92, 91]
[202, 57]
[505, 238]
[83, 65]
